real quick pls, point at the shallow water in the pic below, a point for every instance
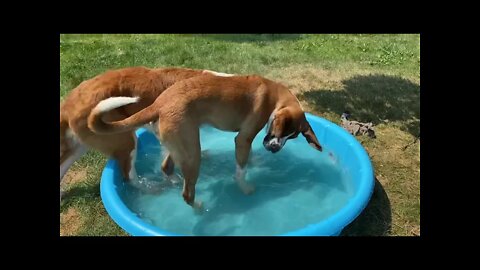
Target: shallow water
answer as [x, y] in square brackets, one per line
[295, 187]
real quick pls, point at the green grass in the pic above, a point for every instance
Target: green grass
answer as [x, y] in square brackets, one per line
[376, 77]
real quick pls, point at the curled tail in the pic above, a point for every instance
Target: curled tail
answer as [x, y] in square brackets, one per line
[96, 123]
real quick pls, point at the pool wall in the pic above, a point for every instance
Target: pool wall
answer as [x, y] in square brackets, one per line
[346, 148]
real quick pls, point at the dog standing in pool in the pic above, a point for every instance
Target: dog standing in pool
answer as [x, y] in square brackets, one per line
[75, 135]
[244, 104]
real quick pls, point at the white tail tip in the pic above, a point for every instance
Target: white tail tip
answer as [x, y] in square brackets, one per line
[115, 102]
[220, 74]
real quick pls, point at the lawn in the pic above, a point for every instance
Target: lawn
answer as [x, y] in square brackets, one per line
[375, 77]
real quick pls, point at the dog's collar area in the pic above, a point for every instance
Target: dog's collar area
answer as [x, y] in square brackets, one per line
[269, 123]
[283, 140]
[289, 135]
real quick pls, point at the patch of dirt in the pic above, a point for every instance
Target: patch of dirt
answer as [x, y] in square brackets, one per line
[415, 230]
[74, 176]
[70, 222]
[303, 78]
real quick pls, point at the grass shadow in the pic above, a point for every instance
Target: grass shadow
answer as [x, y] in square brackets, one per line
[372, 98]
[82, 191]
[252, 38]
[376, 219]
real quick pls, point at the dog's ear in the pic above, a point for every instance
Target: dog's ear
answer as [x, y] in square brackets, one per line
[308, 133]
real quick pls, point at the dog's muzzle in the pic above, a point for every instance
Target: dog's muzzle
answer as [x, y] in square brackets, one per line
[274, 144]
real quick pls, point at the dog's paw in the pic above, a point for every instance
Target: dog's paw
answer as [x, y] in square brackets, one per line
[175, 179]
[198, 207]
[247, 189]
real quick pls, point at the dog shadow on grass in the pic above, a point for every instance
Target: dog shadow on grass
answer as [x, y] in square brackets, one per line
[79, 192]
[372, 98]
[377, 99]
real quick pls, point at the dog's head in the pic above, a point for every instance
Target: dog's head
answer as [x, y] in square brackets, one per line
[286, 124]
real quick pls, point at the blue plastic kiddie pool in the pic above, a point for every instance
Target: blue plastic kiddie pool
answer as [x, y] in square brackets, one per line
[282, 192]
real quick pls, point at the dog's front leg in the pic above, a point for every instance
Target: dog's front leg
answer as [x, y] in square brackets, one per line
[242, 151]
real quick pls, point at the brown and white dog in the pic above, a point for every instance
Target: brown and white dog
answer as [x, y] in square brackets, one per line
[141, 82]
[236, 103]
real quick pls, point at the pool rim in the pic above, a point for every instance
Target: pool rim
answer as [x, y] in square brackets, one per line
[331, 226]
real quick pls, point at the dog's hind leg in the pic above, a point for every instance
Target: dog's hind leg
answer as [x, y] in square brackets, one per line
[168, 168]
[190, 169]
[75, 154]
[184, 147]
[126, 155]
[121, 147]
[66, 161]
